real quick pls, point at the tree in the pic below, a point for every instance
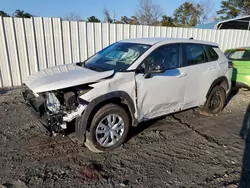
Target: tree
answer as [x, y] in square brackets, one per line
[233, 8]
[72, 17]
[148, 13]
[3, 14]
[206, 7]
[187, 14]
[167, 21]
[93, 19]
[132, 21]
[246, 8]
[229, 9]
[21, 14]
[107, 16]
[214, 18]
[125, 20]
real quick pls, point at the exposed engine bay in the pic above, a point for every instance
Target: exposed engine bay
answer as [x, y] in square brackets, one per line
[57, 108]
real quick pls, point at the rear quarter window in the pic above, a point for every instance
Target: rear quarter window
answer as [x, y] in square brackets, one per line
[228, 53]
[212, 53]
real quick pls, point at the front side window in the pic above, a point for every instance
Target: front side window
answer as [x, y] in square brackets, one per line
[194, 54]
[166, 56]
[118, 56]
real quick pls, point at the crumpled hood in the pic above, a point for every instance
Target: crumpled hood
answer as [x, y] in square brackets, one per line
[63, 76]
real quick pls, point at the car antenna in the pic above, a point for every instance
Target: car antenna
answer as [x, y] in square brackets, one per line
[191, 38]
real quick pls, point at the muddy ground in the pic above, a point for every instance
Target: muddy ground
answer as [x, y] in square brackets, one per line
[181, 150]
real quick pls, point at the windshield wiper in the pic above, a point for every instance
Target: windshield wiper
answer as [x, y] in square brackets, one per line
[94, 68]
[81, 63]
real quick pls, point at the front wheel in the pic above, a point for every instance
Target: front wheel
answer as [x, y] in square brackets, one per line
[109, 128]
[215, 101]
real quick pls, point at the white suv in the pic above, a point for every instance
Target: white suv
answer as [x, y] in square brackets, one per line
[126, 83]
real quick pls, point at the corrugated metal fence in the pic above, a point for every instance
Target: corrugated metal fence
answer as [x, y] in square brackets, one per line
[29, 45]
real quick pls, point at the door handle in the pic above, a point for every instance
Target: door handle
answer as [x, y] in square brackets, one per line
[182, 75]
[211, 68]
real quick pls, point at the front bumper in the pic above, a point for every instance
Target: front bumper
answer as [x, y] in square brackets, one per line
[37, 107]
[53, 122]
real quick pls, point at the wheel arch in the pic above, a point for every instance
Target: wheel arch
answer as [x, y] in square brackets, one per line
[117, 97]
[222, 81]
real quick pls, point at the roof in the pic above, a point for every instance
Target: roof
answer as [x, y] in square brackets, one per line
[242, 23]
[235, 23]
[152, 41]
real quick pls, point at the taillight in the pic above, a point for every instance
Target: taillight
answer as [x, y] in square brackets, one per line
[230, 64]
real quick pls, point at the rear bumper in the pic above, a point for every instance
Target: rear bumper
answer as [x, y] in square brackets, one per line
[241, 80]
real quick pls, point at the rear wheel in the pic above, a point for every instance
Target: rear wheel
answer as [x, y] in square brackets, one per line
[108, 129]
[215, 101]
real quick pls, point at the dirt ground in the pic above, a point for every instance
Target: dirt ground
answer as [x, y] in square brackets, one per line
[181, 150]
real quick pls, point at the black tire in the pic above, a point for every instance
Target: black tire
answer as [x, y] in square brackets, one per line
[91, 141]
[215, 101]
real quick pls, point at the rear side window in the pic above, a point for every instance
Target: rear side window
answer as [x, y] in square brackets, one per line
[212, 53]
[194, 54]
[237, 55]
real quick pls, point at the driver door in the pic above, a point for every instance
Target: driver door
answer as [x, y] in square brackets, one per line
[161, 93]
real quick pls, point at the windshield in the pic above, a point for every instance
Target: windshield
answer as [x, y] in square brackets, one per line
[118, 56]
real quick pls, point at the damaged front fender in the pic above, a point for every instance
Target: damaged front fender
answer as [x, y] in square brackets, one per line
[83, 121]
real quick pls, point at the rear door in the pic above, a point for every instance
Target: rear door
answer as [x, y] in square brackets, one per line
[201, 71]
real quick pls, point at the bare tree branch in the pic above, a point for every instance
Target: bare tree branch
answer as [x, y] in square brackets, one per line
[207, 7]
[72, 17]
[107, 16]
[148, 13]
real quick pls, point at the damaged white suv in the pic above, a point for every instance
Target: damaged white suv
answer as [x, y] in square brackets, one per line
[126, 83]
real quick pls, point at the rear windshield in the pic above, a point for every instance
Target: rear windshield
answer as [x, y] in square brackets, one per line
[239, 55]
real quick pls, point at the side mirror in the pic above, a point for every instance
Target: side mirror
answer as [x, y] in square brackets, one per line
[152, 69]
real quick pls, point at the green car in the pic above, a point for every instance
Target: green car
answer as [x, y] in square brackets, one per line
[240, 58]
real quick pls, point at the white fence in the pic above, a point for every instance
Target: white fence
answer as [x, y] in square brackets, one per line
[30, 45]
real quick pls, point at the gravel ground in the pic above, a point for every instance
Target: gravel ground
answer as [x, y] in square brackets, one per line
[180, 150]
